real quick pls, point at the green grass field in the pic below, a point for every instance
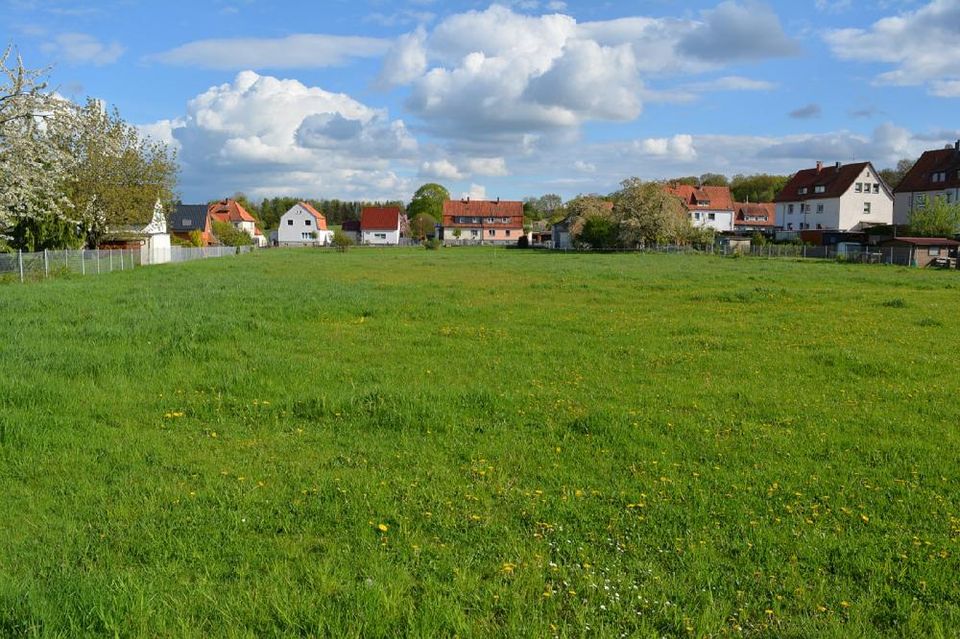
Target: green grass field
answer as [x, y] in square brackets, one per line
[481, 443]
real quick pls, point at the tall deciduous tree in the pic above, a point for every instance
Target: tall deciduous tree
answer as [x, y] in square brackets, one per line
[34, 214]
[117, 174]
[591, 221]
[757, 188]
[428, 200]
[647, 214]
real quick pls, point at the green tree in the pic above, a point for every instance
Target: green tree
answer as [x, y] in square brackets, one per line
[648, 214]
[599, 231]
[422, 226]
[757, 188]
[428, 200]
[584, 208]
[117, 175]
[229, 235]
[937, 219]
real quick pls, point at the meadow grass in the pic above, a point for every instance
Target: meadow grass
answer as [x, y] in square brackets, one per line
[481, 442]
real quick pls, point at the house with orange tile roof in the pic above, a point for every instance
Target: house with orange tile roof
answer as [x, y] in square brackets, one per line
[380, 225]
[303, 225]
[232, 212]
[469, 221]
[708, 206]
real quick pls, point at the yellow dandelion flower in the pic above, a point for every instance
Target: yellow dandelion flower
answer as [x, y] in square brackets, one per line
[383, 528]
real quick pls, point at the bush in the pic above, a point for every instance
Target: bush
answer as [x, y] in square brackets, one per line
[432, 245]
[341, 241]
[229, 235]
[523, 242]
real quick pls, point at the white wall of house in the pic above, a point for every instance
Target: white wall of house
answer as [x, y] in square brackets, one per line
[720, 221]
[860, 206]
[298, 227]
[905, 203]
[381, 237]
[156, 249]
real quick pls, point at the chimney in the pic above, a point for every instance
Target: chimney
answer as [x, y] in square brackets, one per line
[956, 147]
[819, 166]
[838, 167]
[498, 200]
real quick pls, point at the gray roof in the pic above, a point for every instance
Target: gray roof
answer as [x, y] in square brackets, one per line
[189, 217]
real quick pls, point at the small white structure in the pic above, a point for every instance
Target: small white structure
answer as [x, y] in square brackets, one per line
[303, 225]
[380, 225]
[156, 248]
[844, 197]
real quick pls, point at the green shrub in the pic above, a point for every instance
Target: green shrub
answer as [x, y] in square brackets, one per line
[341, 241]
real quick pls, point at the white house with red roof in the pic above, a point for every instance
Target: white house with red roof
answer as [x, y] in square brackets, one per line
[843, 197]
[380, 225]
[708, 206]
[303, 225]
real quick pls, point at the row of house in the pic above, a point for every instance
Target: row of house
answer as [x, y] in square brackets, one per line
[189, 219]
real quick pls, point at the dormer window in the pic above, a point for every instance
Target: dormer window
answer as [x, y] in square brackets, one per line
[819, 189]
[802, 191]
[940, 176]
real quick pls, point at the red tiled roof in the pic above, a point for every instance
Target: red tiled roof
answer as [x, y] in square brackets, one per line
[924, 241]
[920, 177]
[232, 210]
[484, 209]
[321, 220]
[836, 181]
[719, 197]
[380, 218]
[744, 210]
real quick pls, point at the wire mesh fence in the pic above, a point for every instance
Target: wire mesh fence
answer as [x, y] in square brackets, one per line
[24, 267]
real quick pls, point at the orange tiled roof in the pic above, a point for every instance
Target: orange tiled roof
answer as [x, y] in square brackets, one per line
[484, 209]
[719, 197]
[321, 220]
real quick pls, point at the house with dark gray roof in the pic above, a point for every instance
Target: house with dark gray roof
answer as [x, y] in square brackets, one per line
[188, 218]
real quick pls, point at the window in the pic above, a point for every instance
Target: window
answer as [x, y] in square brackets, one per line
[306, 222]
[380, 236]
[508, 232]
[819, 189]
[819, 208]
[866, 208]
[859, 187]
[933, 251]
[790, 226]
[921, 201]
[802, 191]
[491, 233]
[876, 188]
[711, 216]
[940, 176]
[289, 222]
[306, 236]
[790, 209]
[185, 222]
[474, 233]
[696, 215]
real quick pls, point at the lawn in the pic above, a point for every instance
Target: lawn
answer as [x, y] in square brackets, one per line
[480, 442]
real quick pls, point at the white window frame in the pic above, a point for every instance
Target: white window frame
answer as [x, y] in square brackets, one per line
[867, 208]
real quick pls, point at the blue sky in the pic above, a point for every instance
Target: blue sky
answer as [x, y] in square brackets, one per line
[369, 99]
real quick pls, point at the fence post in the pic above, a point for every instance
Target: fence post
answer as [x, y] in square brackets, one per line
[98, 260]
[20, 260]
[46, 265]
[83, 262]
[110, 255]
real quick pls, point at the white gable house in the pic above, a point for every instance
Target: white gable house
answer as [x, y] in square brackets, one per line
[848, 197]
[303, 225]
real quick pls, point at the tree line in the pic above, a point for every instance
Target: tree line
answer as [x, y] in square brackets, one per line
[71, 174]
